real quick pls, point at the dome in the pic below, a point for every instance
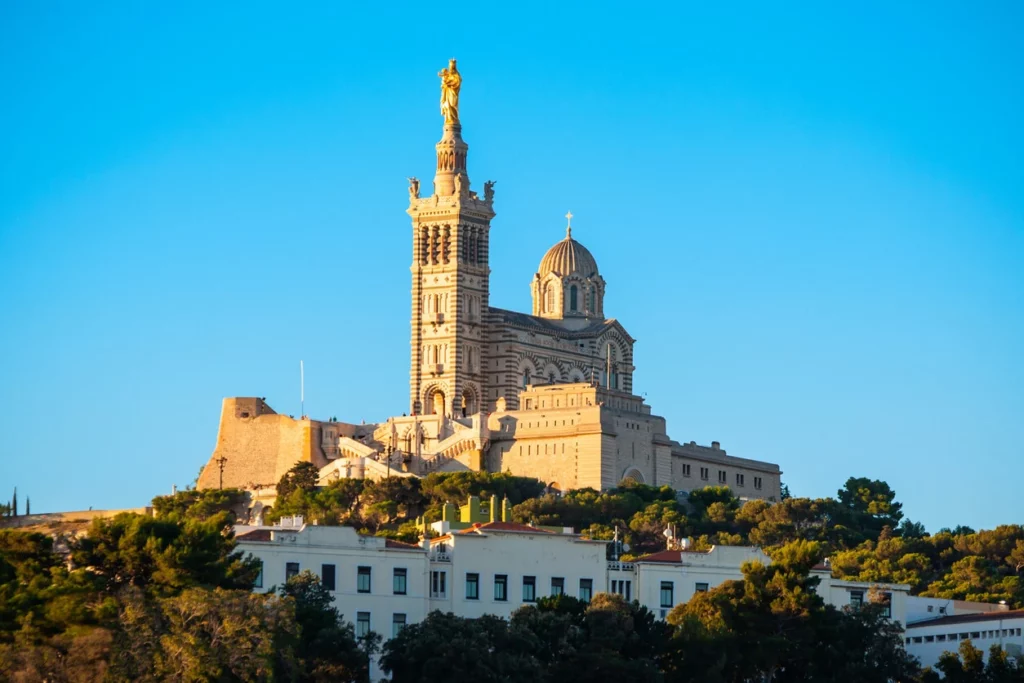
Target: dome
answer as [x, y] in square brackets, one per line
[566, 258]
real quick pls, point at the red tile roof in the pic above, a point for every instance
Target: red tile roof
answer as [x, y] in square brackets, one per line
[390, 543]
[969, 618]
[256, 535]
[669, 556]
[504, 526]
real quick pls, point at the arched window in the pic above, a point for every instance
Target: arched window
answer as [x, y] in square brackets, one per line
[572, 298]
[526, 377]
[550, 305]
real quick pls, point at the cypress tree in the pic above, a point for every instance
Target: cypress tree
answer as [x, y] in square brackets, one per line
[28, 506]
[14, 503]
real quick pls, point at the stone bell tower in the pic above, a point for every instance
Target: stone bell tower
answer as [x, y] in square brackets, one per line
[450, 275]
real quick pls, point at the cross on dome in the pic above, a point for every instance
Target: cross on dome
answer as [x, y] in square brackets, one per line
[568, 225]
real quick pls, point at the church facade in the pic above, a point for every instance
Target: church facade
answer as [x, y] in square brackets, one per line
[547, 394]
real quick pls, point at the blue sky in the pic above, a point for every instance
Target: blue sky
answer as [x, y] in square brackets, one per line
[811, 218]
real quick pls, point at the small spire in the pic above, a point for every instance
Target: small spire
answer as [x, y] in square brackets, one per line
[568, 226]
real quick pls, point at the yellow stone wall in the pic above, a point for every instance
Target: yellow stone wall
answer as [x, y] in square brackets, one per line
[260, 445]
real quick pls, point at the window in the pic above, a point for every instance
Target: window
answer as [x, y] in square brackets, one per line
[472, 586]
[623, 588]
[757, 483]
[400, 581]
[327, 576]
[886, 602]
[438, 584]
[572, 298]
[500, 587]
[586, 589]
[686, 470]
[739, 479]
[259, 577]
[929, 639]
[941, 637]
[704, 473]
[667, 597]
[722, 477]
[701, 588]
[529, 589]
[363, 580]
[917, 639]
[362, 624]
[291, 569]
[557, 585]
[526, 379]
[397, 623]
[856, 598]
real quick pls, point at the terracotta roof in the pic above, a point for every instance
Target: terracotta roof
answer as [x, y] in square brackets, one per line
[673, 556]
[669, 556]
[504, 526]
[969, 618]
[258, 535]
[390, 543]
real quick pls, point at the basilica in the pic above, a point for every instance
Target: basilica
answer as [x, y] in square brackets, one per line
[546, 394]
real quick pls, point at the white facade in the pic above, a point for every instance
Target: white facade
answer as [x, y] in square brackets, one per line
[927, 640]
[671, 577]
[377, 584]
[498, 567]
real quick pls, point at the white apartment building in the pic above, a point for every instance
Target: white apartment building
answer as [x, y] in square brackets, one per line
[496, 567]
[378, 584]
[982, 623]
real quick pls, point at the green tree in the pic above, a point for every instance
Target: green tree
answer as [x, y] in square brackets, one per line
[444, 648]
[871, 502]
[165, 556]
[327, 649]
[201, 505]
[227, 635]
[303, 475]
[749, 629]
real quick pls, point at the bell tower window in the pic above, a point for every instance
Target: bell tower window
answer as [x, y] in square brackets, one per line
[572, 298]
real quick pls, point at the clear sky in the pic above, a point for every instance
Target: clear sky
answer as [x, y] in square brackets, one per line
[810, 217]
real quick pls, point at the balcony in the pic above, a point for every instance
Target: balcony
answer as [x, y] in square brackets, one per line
[433, 368]
[435, 318]
[621, 566]
[441, 556]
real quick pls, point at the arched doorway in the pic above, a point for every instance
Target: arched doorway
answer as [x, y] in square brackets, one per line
[438, 401]
[468, 403]
[632, 476]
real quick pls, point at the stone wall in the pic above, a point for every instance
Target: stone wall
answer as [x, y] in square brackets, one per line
[259, 445]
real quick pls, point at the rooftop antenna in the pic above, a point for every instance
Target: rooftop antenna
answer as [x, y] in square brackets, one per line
[302, 391]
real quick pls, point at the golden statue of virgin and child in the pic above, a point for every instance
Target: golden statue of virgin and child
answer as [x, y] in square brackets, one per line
[451, 82]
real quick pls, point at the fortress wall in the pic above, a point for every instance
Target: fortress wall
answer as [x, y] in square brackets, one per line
[259, 445]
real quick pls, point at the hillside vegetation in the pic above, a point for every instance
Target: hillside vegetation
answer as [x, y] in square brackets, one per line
[169, 598]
